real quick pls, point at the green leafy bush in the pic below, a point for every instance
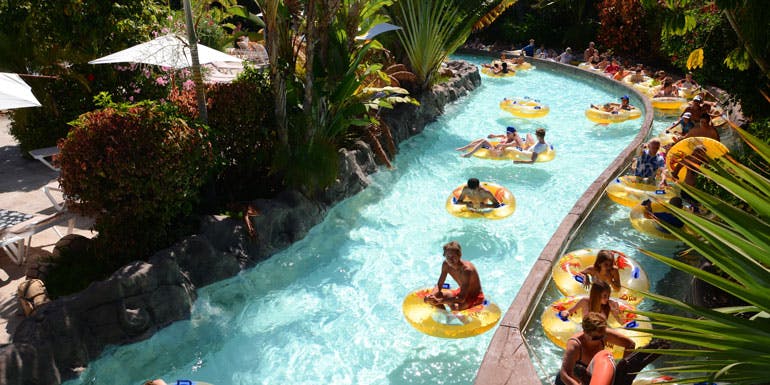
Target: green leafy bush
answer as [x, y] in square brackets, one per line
[62, 100]
[243, 137]
[135, 168]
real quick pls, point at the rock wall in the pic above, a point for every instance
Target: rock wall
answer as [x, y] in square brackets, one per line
[60, 338]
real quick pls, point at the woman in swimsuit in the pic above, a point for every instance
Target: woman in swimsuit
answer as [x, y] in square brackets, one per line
[603, 269]
[598, 301]
[584, 347]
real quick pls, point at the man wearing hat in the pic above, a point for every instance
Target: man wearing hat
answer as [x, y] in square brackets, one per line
[624, 103]
[698, 107]
[685, 121]
[511, 138]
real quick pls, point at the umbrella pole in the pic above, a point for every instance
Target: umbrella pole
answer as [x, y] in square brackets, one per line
[200, 93]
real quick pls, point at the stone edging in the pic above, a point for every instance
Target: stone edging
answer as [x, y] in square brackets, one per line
[62, 337]
[507, 360]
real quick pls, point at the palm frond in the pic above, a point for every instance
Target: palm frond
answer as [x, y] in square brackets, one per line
[732, 344]
[493, 14]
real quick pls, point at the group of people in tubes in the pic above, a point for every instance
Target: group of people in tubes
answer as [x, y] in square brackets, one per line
[586, 360]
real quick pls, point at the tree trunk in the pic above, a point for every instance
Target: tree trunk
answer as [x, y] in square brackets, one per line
[311, 36]
[192, 40]
[274, 35]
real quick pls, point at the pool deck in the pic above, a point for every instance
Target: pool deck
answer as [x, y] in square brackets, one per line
[21, 181]
[508, 360]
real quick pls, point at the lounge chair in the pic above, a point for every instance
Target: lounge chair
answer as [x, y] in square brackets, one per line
[17, 229]
[42, 154]
[15, 239]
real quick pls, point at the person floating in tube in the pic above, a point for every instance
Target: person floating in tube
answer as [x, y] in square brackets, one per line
[477, 198]
[468, 294]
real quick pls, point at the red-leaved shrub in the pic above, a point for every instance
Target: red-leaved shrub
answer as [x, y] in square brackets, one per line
[242, 132]
[135, 169]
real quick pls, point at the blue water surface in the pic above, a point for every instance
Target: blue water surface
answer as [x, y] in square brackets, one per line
[328, 308]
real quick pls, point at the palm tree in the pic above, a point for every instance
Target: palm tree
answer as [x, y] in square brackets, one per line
[727, 344]
[433, 30]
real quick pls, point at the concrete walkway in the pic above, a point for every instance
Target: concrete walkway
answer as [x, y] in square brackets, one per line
[21, 181]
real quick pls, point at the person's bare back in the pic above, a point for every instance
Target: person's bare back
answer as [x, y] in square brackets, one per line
[476, 197]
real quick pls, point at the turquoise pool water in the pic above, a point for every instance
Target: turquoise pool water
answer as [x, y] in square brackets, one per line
[328, 309]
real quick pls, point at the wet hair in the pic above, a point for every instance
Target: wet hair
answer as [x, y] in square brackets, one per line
[593, 321]
[652, 141]
[595, 304]
[676, 202]
[603, 256]
[540, 132]
[505, 67]
[473, 183]
[453, 245]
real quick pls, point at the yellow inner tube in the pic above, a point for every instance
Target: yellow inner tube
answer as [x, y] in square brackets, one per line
[632, 276]
[626, 191]
[646, 80]
[647, 88]
[524, 108]
[647, 225]
[685, 147]
[441, 323]
[559, 330]
[515, 154]
[666, 139]
[488, 71]
[604, 117]
[669, 103]
[502, 194]
[522, 66]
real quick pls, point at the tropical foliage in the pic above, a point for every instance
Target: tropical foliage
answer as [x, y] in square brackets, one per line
[317, 65]
[729, 345]
[732, 35]
[558, 23]
[57, 39]
[134, 168]
[622, 27]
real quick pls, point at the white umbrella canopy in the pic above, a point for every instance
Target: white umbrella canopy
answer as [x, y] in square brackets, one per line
[376, 30]
[166, 51]
[15, 93]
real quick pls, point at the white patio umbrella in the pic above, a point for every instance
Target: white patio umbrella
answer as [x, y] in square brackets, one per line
[167, 51]
[376, 30]
[15, 93]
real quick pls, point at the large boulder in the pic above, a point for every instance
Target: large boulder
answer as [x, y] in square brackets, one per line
[131, 305]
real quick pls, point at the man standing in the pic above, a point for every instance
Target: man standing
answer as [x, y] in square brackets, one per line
[529, 49]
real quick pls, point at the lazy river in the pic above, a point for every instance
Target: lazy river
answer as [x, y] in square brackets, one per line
[328, 308]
